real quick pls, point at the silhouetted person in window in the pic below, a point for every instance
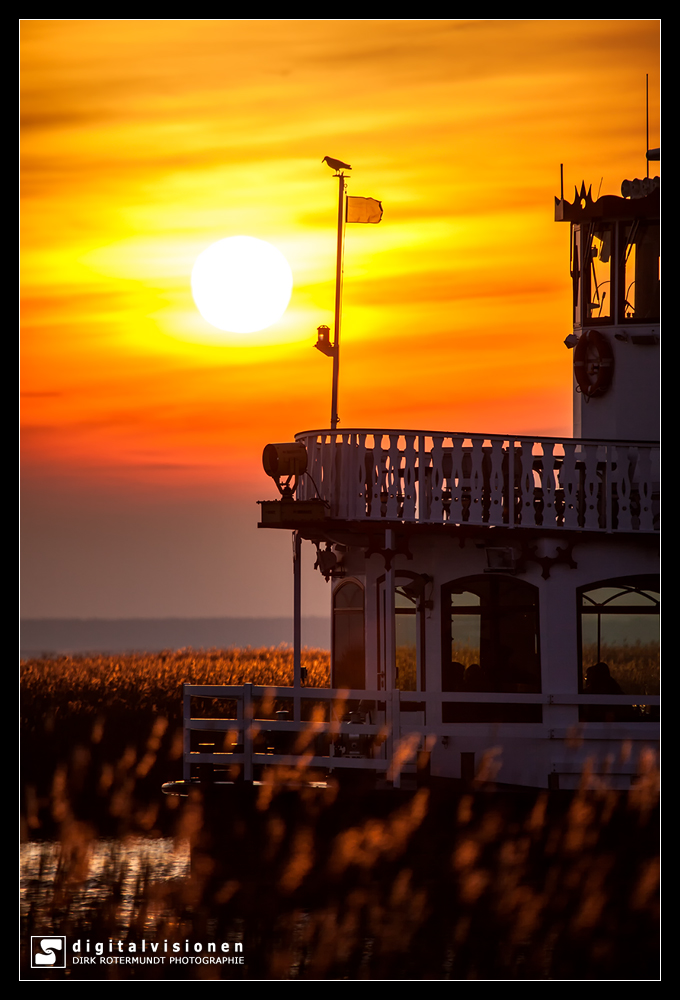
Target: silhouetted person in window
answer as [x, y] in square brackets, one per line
[600, 681]
[453, 676]
[475, 678]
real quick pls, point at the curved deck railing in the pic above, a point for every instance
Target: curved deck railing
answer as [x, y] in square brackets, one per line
[426, 477]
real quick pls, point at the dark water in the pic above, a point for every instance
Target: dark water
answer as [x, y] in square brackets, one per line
[104, 863]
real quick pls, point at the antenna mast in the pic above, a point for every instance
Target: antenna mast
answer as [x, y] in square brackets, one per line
[647, 120]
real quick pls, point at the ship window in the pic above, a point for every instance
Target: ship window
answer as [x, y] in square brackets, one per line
[491, 629]
[641, 272]
[406, 635]
[620, 638]
[412, 593]
[598, 283]
[576, 273]
[349, 660]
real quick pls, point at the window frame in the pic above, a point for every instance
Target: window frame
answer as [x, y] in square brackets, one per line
[343, 612]
[467, 583]
[635, 583]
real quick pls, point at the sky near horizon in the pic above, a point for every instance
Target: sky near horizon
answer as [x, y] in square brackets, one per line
[145, 141]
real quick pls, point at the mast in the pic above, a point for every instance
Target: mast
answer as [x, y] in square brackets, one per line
[338, 297]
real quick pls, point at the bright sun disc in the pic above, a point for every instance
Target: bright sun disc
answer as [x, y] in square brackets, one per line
[241, 284]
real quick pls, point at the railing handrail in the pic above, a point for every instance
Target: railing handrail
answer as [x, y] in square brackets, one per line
[537, 438]
[457, 478]
[341, 695]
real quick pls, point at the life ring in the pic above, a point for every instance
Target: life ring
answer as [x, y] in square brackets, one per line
[593, 363]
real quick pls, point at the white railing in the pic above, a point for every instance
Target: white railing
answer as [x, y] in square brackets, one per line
[384, 738]
[483, 479]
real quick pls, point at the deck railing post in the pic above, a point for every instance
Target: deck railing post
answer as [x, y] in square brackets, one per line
[395, 700]
[297, 623]
[247, 710]
[390, 618]
[186, 733]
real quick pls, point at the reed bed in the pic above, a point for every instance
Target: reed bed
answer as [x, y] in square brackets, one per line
[86, 714]
[139, 681]
[317, 884]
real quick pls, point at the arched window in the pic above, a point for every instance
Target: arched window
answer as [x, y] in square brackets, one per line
[490, 628]
[490, 643]
[349, 661]
[619, 623]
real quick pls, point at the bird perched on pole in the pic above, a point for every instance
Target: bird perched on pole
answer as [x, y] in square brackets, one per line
[336, 165]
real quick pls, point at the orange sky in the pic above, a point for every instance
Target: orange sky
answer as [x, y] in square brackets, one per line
[145, 141]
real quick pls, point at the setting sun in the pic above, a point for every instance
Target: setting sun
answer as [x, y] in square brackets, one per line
[143, 147]
[241, 284]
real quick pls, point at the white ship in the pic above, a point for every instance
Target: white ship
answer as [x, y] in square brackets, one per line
[495, 598]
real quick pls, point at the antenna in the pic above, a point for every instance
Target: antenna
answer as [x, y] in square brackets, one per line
[647, 120]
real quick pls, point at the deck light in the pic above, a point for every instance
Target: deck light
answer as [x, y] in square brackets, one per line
[327, 562]
[285, 461]
[323, 344]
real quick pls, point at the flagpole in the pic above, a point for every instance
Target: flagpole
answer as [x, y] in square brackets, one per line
[338, 299]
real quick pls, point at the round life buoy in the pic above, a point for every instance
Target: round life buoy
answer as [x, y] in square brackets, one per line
[593, 363]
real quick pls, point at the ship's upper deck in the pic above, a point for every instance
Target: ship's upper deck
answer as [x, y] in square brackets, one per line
[512, 481]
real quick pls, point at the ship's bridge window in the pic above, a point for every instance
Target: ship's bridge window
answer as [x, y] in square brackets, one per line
[619, 621]
[490, 635]
[349, 659]
[576, 257]
[598, 277]
[641, 272]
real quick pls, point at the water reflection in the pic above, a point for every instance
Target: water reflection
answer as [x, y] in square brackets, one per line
[100, 871]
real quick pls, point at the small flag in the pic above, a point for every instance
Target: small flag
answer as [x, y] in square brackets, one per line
[363, 210]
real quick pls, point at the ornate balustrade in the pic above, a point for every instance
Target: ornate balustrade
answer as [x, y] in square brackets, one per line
[433, 478]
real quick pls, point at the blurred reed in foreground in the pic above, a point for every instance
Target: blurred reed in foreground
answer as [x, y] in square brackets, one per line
[466, 883]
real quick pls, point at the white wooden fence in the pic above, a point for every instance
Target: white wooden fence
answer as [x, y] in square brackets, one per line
[387, 740]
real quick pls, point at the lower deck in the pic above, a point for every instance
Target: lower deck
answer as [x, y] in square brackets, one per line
[454, 655]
